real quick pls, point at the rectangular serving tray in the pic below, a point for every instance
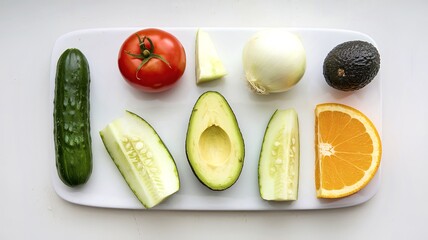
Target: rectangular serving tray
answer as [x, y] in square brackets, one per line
[169, 113]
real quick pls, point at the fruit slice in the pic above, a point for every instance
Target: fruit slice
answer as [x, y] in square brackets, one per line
[208, 64]
[214, 143]
[348, 150]
[279, 157]
[142, 159]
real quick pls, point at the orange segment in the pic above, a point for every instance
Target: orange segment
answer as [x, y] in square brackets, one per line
[348, 150]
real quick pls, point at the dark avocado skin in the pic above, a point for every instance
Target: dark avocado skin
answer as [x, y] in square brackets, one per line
[351, 65]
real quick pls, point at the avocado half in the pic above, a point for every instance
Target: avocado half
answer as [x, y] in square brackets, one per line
[351, 65]
[214, 144]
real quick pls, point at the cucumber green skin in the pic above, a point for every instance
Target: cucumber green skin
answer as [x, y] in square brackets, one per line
[73, 148]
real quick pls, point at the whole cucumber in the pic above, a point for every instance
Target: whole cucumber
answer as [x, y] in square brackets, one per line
[73, 149]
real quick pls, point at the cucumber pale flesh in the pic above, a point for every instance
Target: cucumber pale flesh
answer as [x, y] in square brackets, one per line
[279, 158]
[72, 137]
[142, 158]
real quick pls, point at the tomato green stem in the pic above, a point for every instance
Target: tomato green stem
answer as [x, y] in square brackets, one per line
[146, 53]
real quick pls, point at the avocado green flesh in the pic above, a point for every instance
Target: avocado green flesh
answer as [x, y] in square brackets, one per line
[214, 143]
[141, 157]
[214, 146]
[279, 158]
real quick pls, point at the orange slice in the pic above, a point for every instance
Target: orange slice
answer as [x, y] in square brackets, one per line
[348, 150]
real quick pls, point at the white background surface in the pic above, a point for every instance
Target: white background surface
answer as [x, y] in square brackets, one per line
[30, 209]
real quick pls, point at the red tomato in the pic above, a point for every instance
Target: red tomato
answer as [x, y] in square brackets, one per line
[152, 60]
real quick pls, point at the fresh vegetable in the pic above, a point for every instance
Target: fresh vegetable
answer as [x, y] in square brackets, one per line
[72, 136]
[208, 64]
[279, 157]
[274, 60]
[214, 143]
[351, 65]
[152, 60]
[142, 158]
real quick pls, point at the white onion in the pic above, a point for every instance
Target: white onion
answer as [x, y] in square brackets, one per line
[274, 60]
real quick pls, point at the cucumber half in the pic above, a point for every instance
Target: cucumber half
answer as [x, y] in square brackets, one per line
[279, 158]
[142, 158]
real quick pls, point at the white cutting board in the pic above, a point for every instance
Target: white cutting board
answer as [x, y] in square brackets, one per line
[169, 112]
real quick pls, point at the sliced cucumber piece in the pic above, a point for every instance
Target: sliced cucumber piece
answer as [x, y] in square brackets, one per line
[142, 158]
[209, 67]
[279, 158]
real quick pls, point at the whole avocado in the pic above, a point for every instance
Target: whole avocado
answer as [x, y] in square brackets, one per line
[351, 65]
